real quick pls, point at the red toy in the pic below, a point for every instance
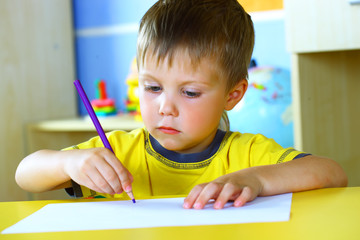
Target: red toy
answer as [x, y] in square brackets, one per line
[103, 106]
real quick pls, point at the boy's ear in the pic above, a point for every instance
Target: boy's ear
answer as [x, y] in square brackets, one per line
[236, 94]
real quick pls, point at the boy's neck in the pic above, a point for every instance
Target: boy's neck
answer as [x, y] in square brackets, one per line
[189, 157]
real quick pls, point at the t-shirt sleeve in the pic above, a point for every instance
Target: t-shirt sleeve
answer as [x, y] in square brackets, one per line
[250, 150]
[79, 191]
[265, 151]
[301, 155]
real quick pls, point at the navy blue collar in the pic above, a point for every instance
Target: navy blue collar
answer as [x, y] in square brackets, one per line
[190, 157]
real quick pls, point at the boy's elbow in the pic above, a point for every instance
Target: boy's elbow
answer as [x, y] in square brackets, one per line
[343, 179]
[19, 177]
[339, 177]
[24, 173]
[23, 183]
[19, 181]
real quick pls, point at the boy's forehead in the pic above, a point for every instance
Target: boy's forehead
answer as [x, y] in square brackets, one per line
[204, 69]
[180, 57]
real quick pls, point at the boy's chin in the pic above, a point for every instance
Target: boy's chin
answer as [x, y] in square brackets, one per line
[180, 149]
[171, 146]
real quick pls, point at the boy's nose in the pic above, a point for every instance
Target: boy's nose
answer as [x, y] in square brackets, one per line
[168, 106]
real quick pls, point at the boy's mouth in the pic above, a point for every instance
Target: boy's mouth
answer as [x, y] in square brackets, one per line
[168, 130]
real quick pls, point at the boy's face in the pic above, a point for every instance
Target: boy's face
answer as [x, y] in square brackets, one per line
[181, 105]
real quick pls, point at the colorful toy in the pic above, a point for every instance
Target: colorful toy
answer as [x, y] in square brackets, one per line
[103, 106]
[132, 102]
[258, 86]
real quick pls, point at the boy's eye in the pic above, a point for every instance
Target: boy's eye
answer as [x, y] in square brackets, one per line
[153, 88]
[191, 94]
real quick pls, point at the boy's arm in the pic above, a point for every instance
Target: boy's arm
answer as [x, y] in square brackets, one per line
[310, 172]
[96, 168]
[42, 171]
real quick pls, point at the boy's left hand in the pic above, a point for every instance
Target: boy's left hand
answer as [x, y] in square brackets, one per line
[306, 173]
[240, 187]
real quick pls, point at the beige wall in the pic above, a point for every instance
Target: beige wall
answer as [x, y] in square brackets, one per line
[36, 74]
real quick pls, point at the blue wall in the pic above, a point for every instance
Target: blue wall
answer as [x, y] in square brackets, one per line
[270, 49]
[102, 51]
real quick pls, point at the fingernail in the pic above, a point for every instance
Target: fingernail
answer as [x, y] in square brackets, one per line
[186, 205]
[217, 205]
[128, 188]
[197, 205]
[238, 203]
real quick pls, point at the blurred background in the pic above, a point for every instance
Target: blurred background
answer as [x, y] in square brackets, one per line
[46, 45]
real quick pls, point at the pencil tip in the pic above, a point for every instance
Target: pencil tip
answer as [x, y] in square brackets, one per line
[133, 200]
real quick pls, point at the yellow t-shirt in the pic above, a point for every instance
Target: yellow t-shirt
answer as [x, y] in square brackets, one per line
[158, 171]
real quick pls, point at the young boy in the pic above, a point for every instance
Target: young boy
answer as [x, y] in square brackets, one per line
[192, 59]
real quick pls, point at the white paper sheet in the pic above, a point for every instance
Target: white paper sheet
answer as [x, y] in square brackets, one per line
[148, 213]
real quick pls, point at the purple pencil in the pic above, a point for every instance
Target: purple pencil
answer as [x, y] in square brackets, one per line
[96, 122]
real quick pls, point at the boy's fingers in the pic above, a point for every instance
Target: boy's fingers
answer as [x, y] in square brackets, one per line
[193, 195]
[99, 181]
[245, 196]
[227, 193]
[114, 162]
[91, 185]
[123, 174]
[110, 176]
[86, 181]
[210, 191]
[125, 179]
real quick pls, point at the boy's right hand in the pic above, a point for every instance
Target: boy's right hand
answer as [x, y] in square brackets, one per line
[98, 169]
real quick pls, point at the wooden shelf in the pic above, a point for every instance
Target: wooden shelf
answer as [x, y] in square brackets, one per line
[325, 46]
[58, 134]
[123, 122]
